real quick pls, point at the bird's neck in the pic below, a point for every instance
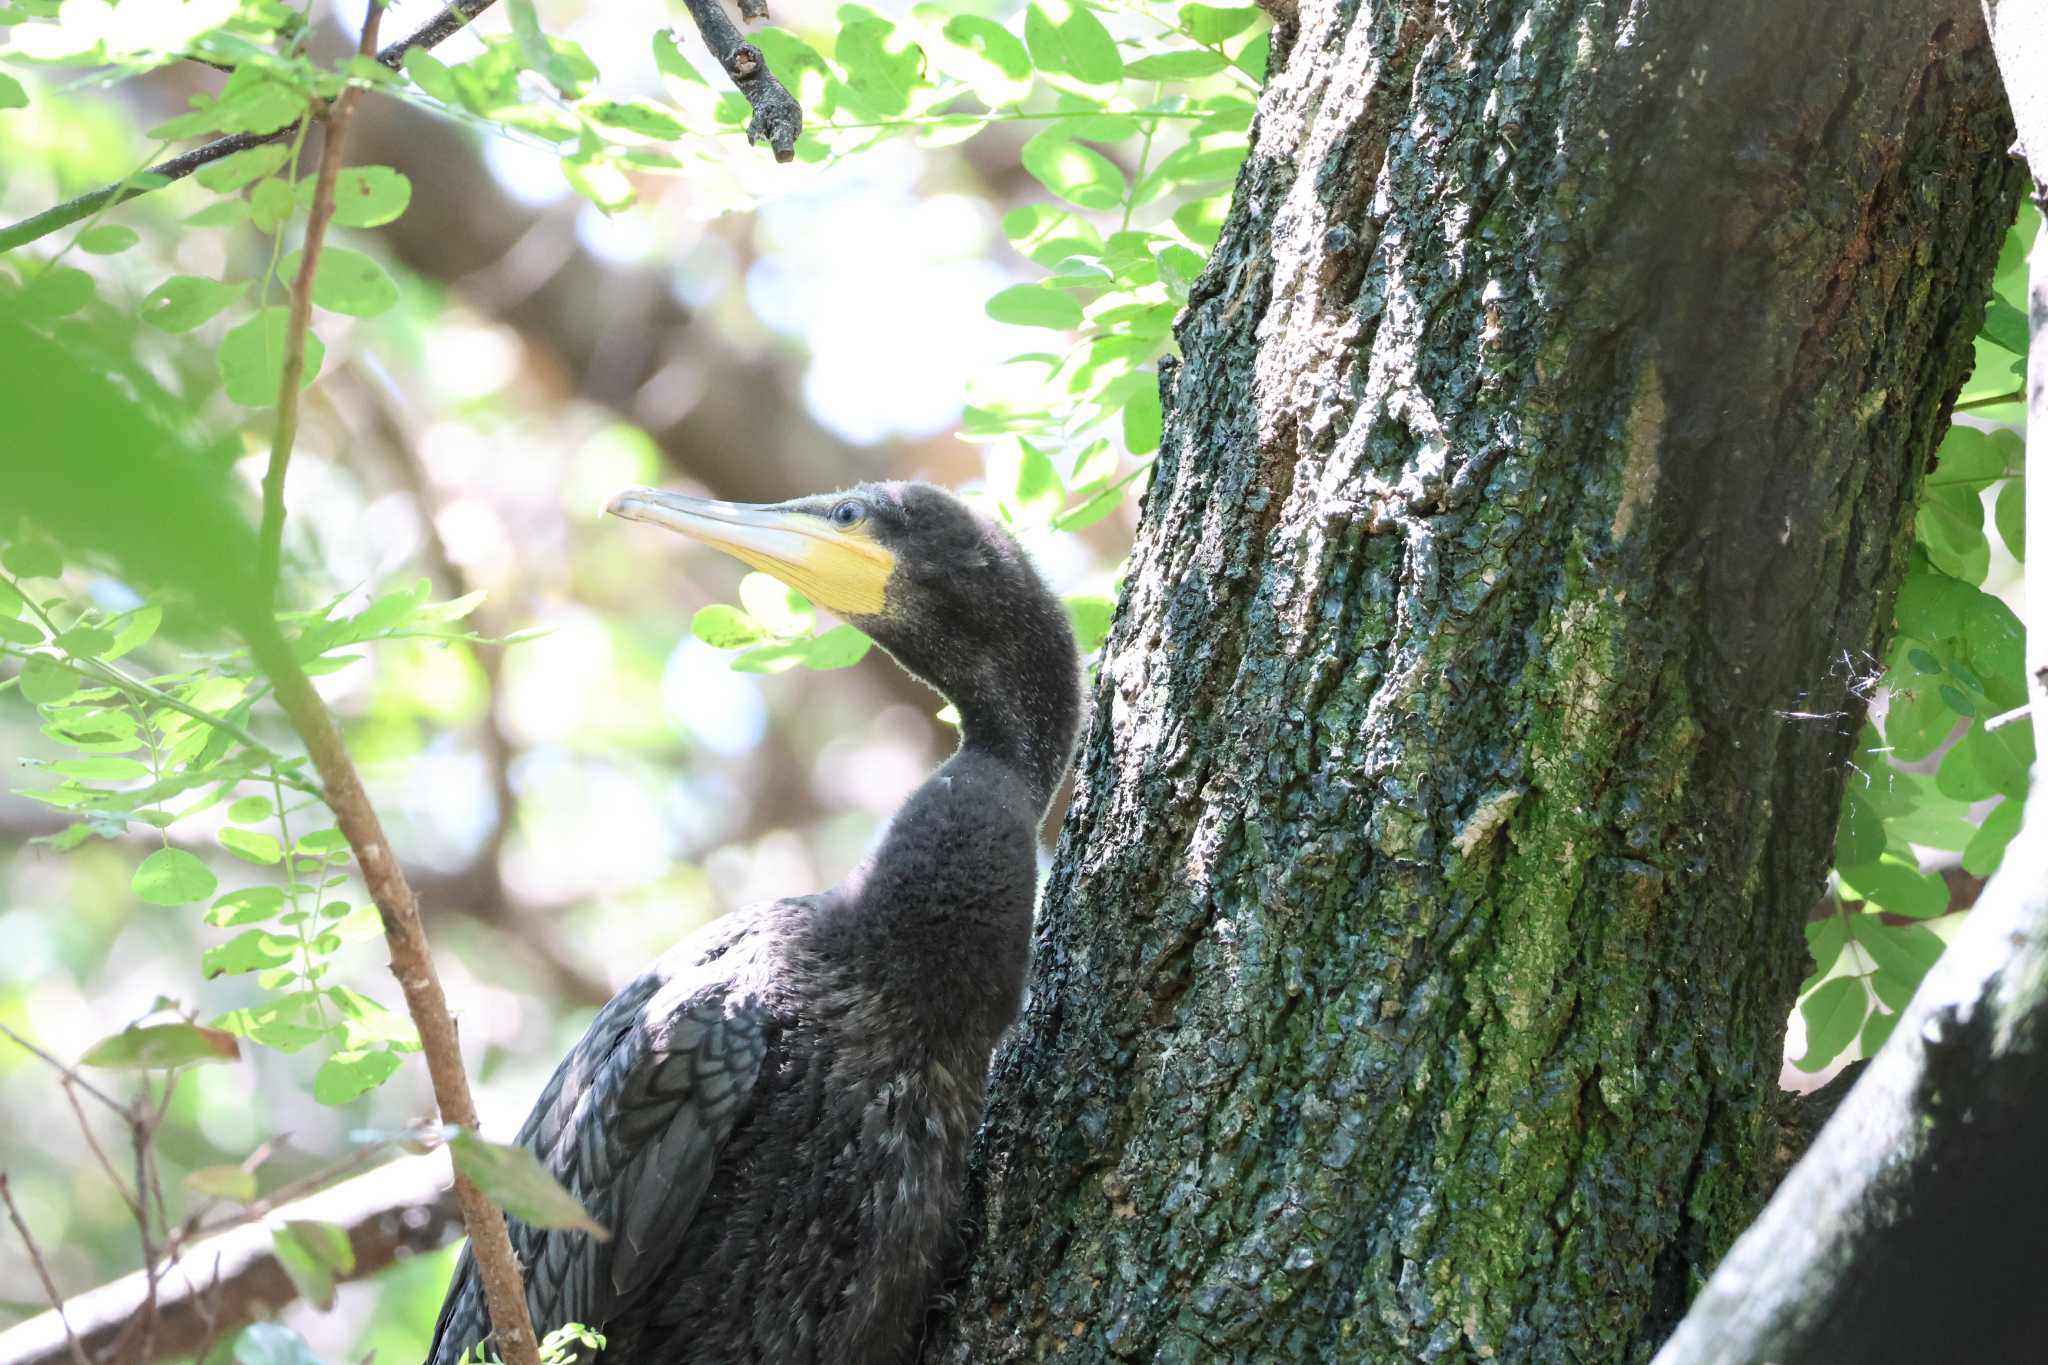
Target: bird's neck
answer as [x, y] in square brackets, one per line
[1020, 706]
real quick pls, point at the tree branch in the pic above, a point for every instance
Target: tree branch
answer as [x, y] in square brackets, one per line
[218, 1285]
[301, 317]
[778, 119]
[434, 31]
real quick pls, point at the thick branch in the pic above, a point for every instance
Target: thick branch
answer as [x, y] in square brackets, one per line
[178, 167]
[778, 120]
[225, 1282]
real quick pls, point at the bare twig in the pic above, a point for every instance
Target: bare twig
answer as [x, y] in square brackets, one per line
[301, 316]
[429, 34]
[35, 1257]
[778, 119]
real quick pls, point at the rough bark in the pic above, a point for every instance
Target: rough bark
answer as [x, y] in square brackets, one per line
[1412, 978]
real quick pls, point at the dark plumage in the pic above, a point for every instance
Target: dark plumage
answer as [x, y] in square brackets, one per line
[774, 1118]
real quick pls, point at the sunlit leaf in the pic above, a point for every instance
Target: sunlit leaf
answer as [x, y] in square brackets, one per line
[222, 1182]
[1067, 39]
[252, 358]
[1030, 305]
[171, 876]
[517, 1183]
[1833, 1013]
[159, 1047]
[345, 1075]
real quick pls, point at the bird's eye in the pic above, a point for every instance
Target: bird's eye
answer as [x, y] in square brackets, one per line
[848, 514]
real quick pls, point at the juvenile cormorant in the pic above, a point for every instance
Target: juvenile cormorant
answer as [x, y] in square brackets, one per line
[773, 1119]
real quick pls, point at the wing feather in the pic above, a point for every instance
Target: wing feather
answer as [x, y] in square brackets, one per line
[633, 1122]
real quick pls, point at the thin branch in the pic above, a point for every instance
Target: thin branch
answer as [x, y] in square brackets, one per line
[778, 119]
[427, 35]
[35, 1257]
[301, 317]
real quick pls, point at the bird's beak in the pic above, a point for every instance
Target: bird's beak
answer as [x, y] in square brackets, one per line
[845, 571]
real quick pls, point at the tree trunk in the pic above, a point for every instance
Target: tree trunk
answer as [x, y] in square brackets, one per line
[1412, 980]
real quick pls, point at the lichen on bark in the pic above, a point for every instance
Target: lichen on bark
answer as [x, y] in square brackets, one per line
[1412, 976]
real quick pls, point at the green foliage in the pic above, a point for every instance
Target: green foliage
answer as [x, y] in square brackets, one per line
[1955, 671]
[517, 1183]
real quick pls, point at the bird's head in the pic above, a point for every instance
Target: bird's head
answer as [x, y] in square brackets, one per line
[945, 590]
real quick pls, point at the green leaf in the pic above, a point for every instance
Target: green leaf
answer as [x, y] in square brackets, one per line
[185, 301]
[517, 1183]
[984, 54]
[12, 96]
[56, 292]
[251, 809]
[1824, 941]
[314, 1255]
[1876, 1030]
[1202, 221]
[883, 68]
[346, 1075]
[1986, 849]
[1212, 24]
[776, 608]
[2009, 514]
[31, 559]
[244, 168]
[159, 1047]
[346, 282]
[280, 1023]
[251, 905]
[635, 119]
[104, 769]
[266, 1343]
[252, 950]
[19, 632]
[1090, 617]
[2003, 757]
[222, 1182]
[1023, 478]
[252, 846]
[2005, 326]
[252, 358]
[1904, 950]
[726, 627]
[1833, 1013]
[108, 239]
[1951, 530]
[1897, 887]
[1031, 305]
[1075, 172]
[432, 75]
[366, 1024]
[1067, 39]
[84, 641]
[366, 196]
[44, 681]
[135, 630]
[840, 647]
[1176, 66]
[171, 876]
[1143, 420]
[598, 179]
[670, 61]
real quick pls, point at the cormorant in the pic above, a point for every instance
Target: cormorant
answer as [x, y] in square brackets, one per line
[773, 1119]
